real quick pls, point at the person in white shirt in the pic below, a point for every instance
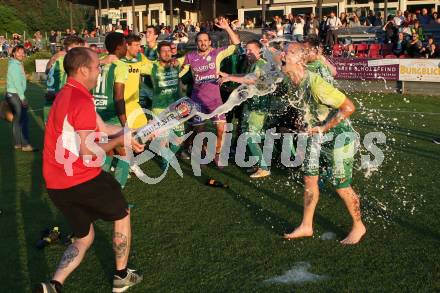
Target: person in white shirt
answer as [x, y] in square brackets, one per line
[333, 24]
[398, 19]
[298, 29]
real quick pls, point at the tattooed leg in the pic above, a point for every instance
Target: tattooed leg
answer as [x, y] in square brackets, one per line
[73, 256]
[351, 200]
[311, 197]
[69, 256]
[122, 242]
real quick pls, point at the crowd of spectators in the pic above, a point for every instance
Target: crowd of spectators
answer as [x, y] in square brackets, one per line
[404, 32]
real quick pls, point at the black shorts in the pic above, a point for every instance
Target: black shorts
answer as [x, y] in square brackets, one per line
[99, 198]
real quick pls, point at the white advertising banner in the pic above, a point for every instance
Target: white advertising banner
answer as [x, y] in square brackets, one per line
[40, 65]
[419, 70]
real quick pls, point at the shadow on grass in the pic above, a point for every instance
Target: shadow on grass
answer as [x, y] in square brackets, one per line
[423, 135]
[13, 273]
[276, 224]
[36, 212]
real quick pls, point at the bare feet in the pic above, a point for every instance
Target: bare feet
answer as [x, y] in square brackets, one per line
[301, 231]
[355, 235]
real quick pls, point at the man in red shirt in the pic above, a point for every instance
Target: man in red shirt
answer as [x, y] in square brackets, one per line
[71, 167]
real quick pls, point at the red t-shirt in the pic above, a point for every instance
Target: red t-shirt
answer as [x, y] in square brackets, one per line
[72, 111]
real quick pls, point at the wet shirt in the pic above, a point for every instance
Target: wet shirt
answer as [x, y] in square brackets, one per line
[257, 103]
[320, 99]
[322, 69]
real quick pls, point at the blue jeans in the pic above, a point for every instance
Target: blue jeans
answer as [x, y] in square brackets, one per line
[20, 131]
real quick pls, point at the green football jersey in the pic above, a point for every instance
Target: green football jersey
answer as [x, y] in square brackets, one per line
[165, 81]
[116, 72]
[56, 78]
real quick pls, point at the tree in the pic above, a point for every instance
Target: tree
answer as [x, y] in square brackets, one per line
[10, 21]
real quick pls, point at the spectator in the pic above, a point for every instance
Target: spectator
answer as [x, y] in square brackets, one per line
[415, 47]
[371, 19]
[417, 29]
[249, 24]
[424, 18]
[407, 18]
[333, 24]
[15, 89]
[278, 26]
[414, 18]
[390, 30]
[288, 25]
[38, 37]
[344, 20]
[434, 17]
[349, 52]
[407, 31]
[298, 29]
[354, 21]
[400, 46]
[312, 25]
[323, 29]
[197, 27]
[398, 19]
[379, 19]
[362, 18]
[53, 42]
[28, 47]
[432, 52]
[5, 49]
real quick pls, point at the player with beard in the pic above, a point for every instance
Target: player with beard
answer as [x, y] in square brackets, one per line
[164, 75]
[205, 66]
[255, 110]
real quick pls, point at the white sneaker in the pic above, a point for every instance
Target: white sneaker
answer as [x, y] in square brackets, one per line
[122, 285]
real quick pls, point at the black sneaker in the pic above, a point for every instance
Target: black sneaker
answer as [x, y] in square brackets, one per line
[122, 285]
[436, 140]
[45, 288]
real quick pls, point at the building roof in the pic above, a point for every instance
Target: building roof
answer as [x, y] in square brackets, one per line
[112, 3]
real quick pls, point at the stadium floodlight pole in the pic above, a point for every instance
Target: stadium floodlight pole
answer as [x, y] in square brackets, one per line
[99, 14]
[133, 13]
[385, 10]
[214, 9]
[171, 15]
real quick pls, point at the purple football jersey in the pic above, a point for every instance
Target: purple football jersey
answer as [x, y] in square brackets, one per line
[206, 90]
